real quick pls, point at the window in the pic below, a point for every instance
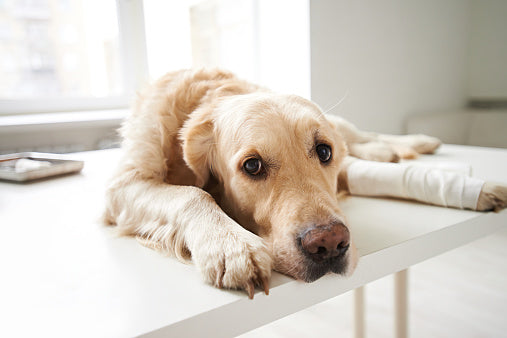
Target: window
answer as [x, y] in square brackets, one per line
[64, 55]
[265, 41]
[59, 49]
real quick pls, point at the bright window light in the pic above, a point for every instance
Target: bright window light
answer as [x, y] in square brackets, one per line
[67, 55]
[59, 49]
[264, 41]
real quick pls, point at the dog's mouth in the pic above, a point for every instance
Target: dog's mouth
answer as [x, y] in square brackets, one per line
[317, 265]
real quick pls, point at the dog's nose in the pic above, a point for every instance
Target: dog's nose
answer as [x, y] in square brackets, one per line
[323, 242]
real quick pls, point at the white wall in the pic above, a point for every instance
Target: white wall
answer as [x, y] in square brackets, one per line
[394, 58]
[488, 50]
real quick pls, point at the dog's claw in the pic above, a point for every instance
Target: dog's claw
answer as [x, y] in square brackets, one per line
[220, 278]
[249, 287]
[265, 285]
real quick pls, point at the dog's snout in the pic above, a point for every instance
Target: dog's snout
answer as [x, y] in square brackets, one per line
[323, 242]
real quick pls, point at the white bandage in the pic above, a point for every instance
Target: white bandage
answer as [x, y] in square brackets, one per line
[409, 181]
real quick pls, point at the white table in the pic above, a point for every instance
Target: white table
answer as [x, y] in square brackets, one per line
[66, 275]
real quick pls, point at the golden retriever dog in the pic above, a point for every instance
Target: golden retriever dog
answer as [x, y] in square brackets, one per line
[241, 180]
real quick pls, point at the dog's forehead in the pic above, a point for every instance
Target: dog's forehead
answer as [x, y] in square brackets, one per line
[260, 115]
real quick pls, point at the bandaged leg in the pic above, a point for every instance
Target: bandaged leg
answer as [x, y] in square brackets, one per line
[410, 181]
[380, 147]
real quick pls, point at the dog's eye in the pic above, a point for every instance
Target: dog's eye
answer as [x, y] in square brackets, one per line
[252, 166]
[324, 152]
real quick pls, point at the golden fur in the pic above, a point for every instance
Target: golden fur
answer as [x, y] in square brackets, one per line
[181, 187]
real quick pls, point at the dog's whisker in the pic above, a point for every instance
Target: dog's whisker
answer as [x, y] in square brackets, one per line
[338, 103]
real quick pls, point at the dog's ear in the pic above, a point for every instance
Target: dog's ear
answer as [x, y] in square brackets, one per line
[197, 137]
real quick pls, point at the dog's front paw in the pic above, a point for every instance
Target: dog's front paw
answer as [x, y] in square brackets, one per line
[492, 197]
[235, 260]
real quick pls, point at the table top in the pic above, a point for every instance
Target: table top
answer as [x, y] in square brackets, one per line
[65, 274]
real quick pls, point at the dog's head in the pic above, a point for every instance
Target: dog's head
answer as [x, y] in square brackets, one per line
[275, 161]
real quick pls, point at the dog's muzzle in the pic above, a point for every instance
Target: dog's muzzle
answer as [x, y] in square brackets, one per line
[325, 248]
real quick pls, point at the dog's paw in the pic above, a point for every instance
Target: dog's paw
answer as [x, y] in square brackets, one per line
[374, 151]
[423, 144]
[238, 260]
[404, 152]
[493, 196]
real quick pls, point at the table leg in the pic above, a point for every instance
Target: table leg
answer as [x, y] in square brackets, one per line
[401, 303]
[359, 310]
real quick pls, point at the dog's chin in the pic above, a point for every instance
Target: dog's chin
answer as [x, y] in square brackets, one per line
[314, 271]
[309, 271]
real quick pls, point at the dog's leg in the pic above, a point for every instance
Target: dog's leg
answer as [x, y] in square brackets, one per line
[380, 147]
[420, 143]
[373, 151]
[186, 221]
[362, 144]
[419, 183]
